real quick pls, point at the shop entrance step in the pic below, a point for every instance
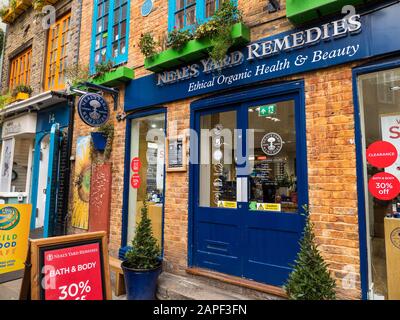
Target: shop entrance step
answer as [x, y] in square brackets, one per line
[176, 287]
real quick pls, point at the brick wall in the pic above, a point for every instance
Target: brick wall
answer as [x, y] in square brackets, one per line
[330, 150]
[27, 30]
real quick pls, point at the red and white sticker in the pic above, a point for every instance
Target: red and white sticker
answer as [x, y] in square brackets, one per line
[384, 186]
[381, 154]
[135, 164]
[135, 181]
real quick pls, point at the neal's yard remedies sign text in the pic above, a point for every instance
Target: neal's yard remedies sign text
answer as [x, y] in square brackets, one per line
[332, 43]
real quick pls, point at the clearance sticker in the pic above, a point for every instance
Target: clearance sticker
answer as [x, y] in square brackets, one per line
[381, 154]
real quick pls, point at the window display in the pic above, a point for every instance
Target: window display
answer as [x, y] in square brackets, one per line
[147, 172]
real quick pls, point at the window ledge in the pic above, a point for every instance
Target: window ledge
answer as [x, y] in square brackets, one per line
[12, 194]
[20, 8]
[193, 50]
[115, 77]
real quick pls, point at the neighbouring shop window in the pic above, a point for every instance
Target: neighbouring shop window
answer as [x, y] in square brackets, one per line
[217, 160]
[20, 69]
[273, 158]
[187, 13]
[110, 33]
[15, 164]
[379, 97]
[57, 51]
[146, 180]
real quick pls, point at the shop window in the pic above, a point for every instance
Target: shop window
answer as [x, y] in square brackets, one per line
[379, 99]
[147, 173]
[15, 164]
[188, 13]
[20, 69]
[273, 158]
[110, 32]
[57, 51]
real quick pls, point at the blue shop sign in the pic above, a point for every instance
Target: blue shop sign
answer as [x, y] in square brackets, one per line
[93, 109]
[47, 117]
[301, 50]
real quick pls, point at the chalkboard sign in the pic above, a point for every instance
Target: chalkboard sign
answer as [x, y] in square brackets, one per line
[176, 153]
[73, 267]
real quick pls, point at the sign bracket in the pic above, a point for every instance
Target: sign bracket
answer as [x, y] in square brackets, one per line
[113, 91]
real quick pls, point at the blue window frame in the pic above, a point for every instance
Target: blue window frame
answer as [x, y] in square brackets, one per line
[110, 32]
[186, 13]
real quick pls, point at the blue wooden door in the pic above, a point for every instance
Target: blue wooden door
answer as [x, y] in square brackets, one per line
[52, 183]
[250, 185]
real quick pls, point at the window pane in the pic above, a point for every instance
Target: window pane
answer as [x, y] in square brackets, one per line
[179, 20]
[191, 15]
[211, 7]
[148, 146]
[179, 4]
[217, 165]
[273, 157]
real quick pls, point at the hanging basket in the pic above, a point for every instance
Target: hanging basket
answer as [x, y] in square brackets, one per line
[99, 141]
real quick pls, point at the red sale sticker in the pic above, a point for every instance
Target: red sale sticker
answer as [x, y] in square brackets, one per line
[73, 273]
[381, 154]
[135, 164]
[384, 186]
[135, 181]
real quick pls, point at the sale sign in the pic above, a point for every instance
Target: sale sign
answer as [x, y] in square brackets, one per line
[135, 181]
[384, 186]
[73, 273]
[381, 154]
[135, 164]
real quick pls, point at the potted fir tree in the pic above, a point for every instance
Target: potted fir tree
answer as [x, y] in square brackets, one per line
[310, 278]
[142, 264]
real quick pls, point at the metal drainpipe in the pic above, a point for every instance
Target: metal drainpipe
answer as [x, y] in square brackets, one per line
[71, 104]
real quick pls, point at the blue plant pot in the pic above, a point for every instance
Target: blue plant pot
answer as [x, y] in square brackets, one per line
[140, 284]
[99, 140]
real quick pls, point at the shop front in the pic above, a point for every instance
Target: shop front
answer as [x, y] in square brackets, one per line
[18, 135]
[50, 161]
[270, 131]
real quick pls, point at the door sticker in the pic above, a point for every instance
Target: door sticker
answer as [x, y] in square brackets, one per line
[271, 144]
[384, 186]
[381, 154]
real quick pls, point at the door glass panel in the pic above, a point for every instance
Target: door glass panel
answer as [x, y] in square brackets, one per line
[147, 173]
[217, 165]
[380, 120]
[272, 157]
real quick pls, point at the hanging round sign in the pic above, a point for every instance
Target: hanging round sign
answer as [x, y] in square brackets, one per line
[93, 109]
[271, 144]
[381, 154]
[384, 186]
